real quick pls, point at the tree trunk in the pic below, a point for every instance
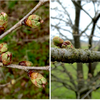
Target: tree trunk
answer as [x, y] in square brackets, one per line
[77, 45]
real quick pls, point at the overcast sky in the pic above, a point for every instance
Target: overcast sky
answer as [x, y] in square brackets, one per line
[84, 19]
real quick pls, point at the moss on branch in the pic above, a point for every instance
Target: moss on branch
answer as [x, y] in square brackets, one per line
[74, 55]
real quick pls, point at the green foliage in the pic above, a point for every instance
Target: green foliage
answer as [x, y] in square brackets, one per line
[11, 4]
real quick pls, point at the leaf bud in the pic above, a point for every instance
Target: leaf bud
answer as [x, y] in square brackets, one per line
[3, 22]
[57, 41]
[3, 47]
[25, 63]
[6, 58]
[37, 79]
[33, 21]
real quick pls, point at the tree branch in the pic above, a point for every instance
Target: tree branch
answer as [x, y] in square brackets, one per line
[64, 83]
[69, 75]
[80, 7]
[27, 68]
[74, 55]
[98, 86]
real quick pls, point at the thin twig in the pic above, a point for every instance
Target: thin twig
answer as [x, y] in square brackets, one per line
[80, 7]
[3, 85]
[98, 86]
[41, 2]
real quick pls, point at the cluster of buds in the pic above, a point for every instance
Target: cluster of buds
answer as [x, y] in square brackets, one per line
[37, 79]
[5, 56]
[3, 22]
[61, 43]
[33, 21]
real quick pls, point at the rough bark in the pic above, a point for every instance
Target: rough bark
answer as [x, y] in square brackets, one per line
[74, 55]
[77, 5]
[91, 70]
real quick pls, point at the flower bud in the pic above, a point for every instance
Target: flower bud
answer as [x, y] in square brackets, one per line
[57, 41]
[33, 21]
[3, 22]
[25, 63]
[6, 58]
[37, 79]
[67, 44]
[64, 45]
[3, 47]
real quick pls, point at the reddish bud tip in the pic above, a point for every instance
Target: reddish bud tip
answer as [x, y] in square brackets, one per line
[25, 63]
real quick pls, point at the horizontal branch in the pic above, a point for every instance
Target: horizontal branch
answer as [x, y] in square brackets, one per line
[74, 55]
[27, 68]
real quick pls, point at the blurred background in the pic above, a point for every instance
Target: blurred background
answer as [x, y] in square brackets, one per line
[25, 43]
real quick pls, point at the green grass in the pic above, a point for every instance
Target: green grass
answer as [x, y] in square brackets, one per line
[60, 92]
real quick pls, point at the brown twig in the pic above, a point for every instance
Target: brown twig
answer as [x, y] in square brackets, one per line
[41, 2]
[3, 85]
[27, 68]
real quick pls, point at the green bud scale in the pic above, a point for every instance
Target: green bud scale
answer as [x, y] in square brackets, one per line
[3, 47]
[25, 63]
[37, 79]
[69, 44]
[6, 58]
[3, 21]
[33, 21]
[57, 41]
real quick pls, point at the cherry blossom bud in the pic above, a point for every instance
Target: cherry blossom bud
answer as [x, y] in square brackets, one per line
[25, 63]
[37, 79]
[33, 21]
[6, 58]
[57, 41]
[3, 22]
[3, 47]
[67, 44]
